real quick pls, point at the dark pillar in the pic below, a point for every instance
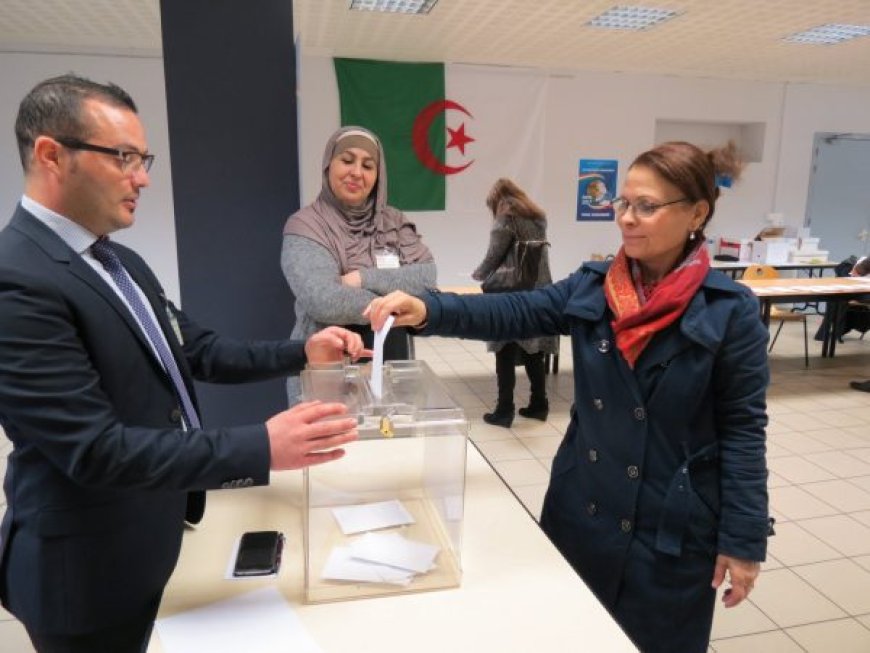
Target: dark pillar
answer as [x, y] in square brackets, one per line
[230, 69]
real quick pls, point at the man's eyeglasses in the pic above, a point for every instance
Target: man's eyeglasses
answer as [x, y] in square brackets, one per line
[131, 160]
[641, 208]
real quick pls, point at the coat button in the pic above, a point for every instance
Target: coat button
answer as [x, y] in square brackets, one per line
[175, 416]
[604, 346]
[625, 525]
[639, 414]
[598, 404]
[591, 508]
[593, 455]
[633, 471]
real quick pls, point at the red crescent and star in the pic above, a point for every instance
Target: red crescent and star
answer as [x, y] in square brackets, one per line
[420, 137]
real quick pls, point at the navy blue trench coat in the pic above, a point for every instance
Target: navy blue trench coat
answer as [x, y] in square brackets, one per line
[663, 466]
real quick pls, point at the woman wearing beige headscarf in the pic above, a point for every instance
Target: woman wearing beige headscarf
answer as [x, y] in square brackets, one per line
[349, 246]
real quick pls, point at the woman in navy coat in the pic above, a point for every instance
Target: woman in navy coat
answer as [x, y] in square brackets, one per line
[658, 490]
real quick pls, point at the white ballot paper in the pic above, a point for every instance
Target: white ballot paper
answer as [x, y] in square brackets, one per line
[260, 621]
[378, 359]
[394, 550]
[342, 566]
[371, 516]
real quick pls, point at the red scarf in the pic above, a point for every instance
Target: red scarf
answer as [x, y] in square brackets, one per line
[643, 310]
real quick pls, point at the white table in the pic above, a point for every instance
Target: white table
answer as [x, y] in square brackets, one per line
[517, 594]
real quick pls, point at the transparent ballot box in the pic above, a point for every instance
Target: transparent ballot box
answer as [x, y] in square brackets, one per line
[387, 517]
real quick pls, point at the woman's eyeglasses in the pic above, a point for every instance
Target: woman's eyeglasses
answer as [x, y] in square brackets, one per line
[641, 208]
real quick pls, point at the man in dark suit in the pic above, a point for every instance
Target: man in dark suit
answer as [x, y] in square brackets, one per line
[96, 392]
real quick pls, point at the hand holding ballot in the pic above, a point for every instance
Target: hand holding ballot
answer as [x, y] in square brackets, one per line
[408, 310]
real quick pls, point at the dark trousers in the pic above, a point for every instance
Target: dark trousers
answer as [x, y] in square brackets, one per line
[506, 360]
[130, 637]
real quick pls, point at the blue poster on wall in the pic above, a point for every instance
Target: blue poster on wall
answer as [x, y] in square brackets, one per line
[596, 188]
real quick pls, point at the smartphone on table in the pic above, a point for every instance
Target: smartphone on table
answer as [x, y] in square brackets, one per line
[259, 553]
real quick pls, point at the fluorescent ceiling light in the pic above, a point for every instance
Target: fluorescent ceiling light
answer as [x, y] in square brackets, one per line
[394, 6]
[829, 34]
[631, 17]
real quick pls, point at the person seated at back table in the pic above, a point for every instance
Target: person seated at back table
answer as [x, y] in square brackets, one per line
[861, 269]
[349, 246]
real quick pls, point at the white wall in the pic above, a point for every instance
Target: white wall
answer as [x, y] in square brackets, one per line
[153, 235]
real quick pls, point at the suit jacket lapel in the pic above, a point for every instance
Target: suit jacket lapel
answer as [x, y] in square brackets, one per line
[56, 249]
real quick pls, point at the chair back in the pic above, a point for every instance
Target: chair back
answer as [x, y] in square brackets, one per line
[760, 272]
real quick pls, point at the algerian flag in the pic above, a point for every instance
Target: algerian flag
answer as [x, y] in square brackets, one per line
[448, 131]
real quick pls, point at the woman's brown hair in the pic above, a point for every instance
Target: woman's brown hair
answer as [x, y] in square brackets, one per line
[505, 197]
[696, 173]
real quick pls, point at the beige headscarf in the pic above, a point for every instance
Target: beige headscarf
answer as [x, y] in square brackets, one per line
[354, 234]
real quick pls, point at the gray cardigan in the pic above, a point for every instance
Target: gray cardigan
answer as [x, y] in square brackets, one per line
[314, 276]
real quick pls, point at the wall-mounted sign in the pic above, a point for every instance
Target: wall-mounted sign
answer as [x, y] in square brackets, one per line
[596, 188]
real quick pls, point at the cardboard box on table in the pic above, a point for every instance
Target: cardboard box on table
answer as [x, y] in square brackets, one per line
[411, 449]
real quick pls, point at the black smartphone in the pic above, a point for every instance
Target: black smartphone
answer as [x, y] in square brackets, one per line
[259, 553]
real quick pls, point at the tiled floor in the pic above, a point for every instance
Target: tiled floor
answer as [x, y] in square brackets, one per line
[814, 591]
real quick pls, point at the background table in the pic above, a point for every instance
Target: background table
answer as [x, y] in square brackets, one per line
[733, 268]
[835, 292]
[517, 595]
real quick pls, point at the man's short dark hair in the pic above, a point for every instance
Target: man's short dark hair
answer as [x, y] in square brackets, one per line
[54, 108]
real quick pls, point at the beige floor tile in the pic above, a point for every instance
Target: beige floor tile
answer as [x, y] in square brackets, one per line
[796, 469]
[840, 463]
[838, 438]
[792, 545]
[744, 619]
[544, 446]
[790, 601]
[532, 497]
[772, 642]
[799, 443]
[775, 480]
[795, 503]
[843, 495]
[845, 534]
[776, 450]
[13, 638]
[533, 428]
[517, 473]
[771, 562]
[498, 450]
[845, 582]
[862, 516]
[480, 431]
[839, 418]
[862, 482]
[844, 636]
[800, 421]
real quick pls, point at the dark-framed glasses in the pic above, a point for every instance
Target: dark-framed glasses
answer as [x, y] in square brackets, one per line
[641, 208]
[131, 160]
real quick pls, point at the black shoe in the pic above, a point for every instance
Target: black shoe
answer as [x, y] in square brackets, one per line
[536, 410]
[500, 417]
[863, 386]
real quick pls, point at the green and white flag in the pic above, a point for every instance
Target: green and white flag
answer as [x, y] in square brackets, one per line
[448, 131]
